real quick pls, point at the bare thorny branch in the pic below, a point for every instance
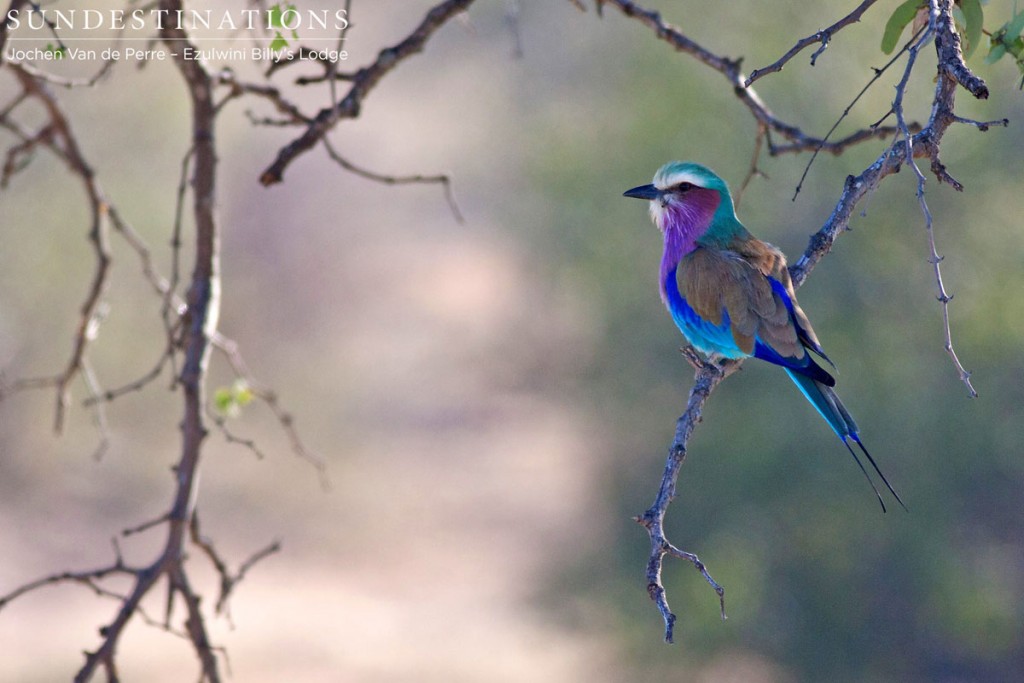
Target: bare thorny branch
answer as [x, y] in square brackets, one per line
[190, 322]
[199, 322]
[799, 141]
[910, 144]
[907, 128]
[442, 180]
[228, 581]
[58, 136]
[363, 82]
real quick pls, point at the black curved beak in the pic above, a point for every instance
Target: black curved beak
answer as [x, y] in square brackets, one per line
[643, 192]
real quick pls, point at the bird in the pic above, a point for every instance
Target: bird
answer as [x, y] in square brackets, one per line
[731, 294]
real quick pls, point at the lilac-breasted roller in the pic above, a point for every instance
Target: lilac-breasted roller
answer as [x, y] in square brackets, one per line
[731, 294]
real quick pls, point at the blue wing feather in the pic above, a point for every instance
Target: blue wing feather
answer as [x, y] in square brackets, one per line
[703, 334]
[805, 338]
[710, 338]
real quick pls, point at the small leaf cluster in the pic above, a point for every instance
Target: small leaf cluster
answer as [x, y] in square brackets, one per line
[275, 20]
[1007, 40]
[967, 13]
[229, 401]
[969, 17]
[56, 51]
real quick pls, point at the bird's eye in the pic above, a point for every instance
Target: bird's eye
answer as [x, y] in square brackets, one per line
[684, 187]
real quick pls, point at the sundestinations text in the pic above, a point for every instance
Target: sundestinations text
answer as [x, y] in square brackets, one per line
[188, 20]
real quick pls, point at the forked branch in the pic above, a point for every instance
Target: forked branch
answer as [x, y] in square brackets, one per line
[799, 141]
[708, 376]
[363, 82]
[824, 36]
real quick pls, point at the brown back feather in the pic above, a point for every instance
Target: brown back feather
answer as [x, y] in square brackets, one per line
[734, 280]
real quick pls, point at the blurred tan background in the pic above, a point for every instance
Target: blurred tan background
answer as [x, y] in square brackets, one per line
[494, 399]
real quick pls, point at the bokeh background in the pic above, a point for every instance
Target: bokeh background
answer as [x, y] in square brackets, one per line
[494, 399]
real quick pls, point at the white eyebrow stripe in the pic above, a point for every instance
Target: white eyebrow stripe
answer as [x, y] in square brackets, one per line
[678, 177]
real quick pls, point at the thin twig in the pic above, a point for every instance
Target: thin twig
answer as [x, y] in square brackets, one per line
[823, 36]
[172, 309]
[87, 578]
[332, 65]
[269, 93]
[139, 528]
[754, 170]
[19, 156]
[231, 438]
[66, 145]
[441, 179]
[983, 126]
[229, 348]
[69, 83]
[99, 415]
[934, 258]
[228, 581]
[914, 127]
[108, 395]
[15, 6]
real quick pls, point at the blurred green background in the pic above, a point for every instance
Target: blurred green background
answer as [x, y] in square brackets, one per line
[495, 399]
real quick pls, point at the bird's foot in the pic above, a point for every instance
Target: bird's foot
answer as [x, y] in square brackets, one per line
[714, 362]
[694, 357]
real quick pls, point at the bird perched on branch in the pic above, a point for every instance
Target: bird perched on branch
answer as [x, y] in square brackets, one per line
[731, 294]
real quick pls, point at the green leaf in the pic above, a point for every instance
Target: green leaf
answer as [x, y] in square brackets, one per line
[279, 42]
[973, 18]
[275, 19]
[903, 15]
[243, 394]
[230, 400]
[995, 54]
[223, 399]
[275, 15]
[1016, 25]
[57, 52]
